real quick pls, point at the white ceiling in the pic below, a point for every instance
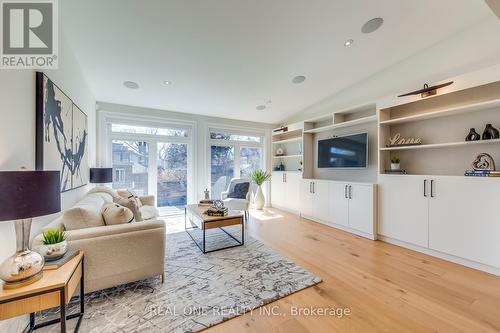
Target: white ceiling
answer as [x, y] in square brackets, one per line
[225, 57]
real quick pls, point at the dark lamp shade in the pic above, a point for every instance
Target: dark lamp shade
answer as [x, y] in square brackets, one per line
[27, 194]
[101, 175]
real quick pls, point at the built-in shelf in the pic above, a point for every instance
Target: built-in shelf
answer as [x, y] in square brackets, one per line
[445, 112]
[354, 122]
[442, 145]
[298, 139]
[297, 131]
[287, 156]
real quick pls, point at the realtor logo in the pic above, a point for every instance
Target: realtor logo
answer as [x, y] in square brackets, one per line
[29, 34]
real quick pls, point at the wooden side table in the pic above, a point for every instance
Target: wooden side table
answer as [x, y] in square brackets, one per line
[54, 289]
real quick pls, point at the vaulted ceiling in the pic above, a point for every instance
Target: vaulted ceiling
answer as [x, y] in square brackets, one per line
[226, 57]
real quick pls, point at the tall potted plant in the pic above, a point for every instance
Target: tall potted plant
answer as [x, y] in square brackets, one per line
[259, 177]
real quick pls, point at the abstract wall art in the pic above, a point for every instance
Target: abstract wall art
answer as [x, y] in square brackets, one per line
[61, 135]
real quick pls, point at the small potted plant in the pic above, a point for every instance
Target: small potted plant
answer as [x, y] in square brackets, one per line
[259, 177]
[54, 245]
[395, 163]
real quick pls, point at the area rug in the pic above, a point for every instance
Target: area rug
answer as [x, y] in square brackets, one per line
[200, 290]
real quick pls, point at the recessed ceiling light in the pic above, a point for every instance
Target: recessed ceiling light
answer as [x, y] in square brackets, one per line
[167, 83]
[298, 79]
[131, 84]
[260, 107]
[348, 42]
[372, 25]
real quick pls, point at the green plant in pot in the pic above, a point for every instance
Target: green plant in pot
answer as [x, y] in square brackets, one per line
[395, 163]
[54, 244]
[259, 177]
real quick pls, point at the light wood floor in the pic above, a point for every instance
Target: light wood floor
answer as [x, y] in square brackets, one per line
[387, 288]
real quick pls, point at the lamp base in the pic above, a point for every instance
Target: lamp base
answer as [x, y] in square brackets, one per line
[25, 264]
[22, 283]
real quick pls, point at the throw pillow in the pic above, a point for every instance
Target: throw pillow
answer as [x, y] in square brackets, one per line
[240, 191]
[80, 217]
[114, 213]
[127, 194]
[130, 204]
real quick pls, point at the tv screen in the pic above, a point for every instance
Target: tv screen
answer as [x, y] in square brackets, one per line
[350, 151]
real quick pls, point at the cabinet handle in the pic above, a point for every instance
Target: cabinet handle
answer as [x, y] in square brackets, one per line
[350, 191]
[284, 177]
[345, 191]
[432, 188]
[425, 188]
[314, 189]
[310, 187]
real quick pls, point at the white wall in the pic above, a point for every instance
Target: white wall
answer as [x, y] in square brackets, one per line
[467, 51]
[201, 166]
[17, 133]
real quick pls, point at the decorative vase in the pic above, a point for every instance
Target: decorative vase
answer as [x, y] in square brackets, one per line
[53, 251]
[490, 132]
[473, 135]
[395, 166]
[259, 199]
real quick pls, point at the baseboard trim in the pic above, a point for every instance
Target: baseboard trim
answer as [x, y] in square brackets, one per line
[457, 260]
[341, 227]
[288, 210]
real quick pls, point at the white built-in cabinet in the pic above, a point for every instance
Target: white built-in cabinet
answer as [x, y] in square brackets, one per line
[346, 206]
[453, 215]
[285, 189]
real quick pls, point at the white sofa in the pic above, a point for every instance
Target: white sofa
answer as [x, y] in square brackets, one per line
[115, 254]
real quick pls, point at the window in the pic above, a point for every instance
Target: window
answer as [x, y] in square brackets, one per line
[176, 132]
[222, 169]
[131, 161]
[172, 174]
[250, 160]
[119, 175]
[233, 155]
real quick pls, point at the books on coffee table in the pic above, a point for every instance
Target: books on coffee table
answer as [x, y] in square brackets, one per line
[212, 211]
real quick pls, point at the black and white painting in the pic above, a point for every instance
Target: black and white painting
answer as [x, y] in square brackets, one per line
[61, 135]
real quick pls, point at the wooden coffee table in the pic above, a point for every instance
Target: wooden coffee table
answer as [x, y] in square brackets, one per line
[195, 215]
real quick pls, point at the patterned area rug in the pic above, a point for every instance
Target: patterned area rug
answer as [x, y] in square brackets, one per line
[200, 290]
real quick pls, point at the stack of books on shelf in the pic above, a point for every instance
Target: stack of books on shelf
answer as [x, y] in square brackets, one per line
[481, 173]
[206, 202]
[212, 211]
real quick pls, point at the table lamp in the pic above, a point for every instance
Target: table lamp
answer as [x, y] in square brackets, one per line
[24, 195]
[101, 175]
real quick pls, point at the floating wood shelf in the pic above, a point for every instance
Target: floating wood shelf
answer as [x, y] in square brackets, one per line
[445, 112]
[442, 145]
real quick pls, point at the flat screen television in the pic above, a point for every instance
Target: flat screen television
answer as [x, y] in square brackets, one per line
[349, 151]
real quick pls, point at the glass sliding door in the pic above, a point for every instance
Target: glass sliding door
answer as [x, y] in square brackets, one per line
[130, 165]
[172, 174]
[222, 169]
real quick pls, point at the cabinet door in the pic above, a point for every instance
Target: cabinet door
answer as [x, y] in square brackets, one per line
[404, 210]
[361, 208]
[277, 189]
[321, 201]
[339, 204]
[463, 218]
[306, 198]
[292, 191]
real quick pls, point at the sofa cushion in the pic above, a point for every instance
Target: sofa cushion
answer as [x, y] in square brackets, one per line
[239, 191]
[86, 213]
[128, 194]
[114, 213]
[149, 212]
